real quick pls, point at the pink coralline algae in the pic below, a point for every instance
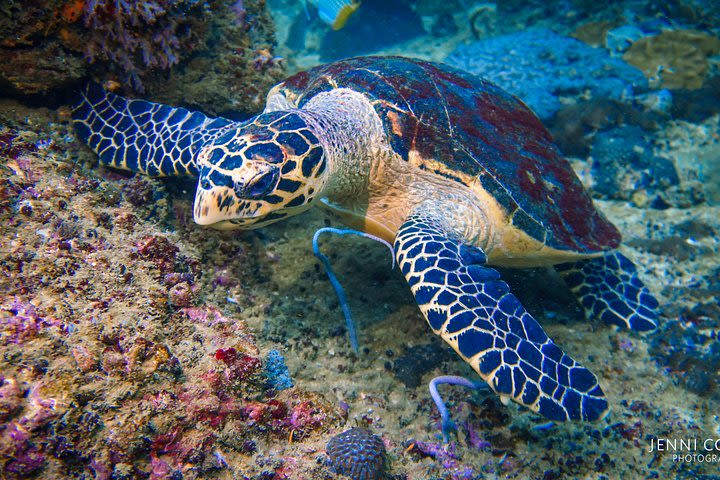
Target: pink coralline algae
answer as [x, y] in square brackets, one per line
[209, 316]
[224, 399]
[19, 454]
[139, 35]
[239, 367]
[20, 322]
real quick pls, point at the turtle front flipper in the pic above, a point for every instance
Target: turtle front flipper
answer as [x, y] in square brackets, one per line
[140, 136]
[472, 309]
[609, 288]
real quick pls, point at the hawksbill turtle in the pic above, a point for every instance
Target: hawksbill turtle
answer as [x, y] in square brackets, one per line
[456, 173]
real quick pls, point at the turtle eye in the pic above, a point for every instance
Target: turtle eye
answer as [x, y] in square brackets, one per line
[259, 187]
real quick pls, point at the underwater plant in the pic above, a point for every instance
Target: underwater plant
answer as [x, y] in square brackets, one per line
[140, 35]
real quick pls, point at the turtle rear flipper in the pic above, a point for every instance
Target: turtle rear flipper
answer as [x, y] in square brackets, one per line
[472, 309]
[140, 136]
[609, 288]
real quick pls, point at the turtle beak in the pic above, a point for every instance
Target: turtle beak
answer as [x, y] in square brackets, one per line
[211, 206]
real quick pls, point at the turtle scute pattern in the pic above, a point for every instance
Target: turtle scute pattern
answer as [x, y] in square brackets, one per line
[289, 152]
[358, 454]
[468, 304]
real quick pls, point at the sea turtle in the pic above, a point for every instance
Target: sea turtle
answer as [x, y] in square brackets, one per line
[456, 173]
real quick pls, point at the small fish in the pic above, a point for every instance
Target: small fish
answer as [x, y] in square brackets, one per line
[335, 12]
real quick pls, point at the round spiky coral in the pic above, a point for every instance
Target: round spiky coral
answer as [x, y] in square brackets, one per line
[358, 454]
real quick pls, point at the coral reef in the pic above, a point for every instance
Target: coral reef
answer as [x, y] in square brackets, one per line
[216, 56]
[138, 36]
[33, 61]
[624, 166]
[621, 38]
[40, 70]
[574, 126]
[695, 148]
[232, 73]
[110, 367]
[132, 37]
[674, 59]
[137, 345]
[540, 66]
[358, 454]
[593, 33]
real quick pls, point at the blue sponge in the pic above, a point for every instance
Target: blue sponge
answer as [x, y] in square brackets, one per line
[276, 372]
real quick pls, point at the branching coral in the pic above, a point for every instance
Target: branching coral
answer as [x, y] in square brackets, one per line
[139, 35]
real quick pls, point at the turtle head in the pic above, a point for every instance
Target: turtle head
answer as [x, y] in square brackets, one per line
[256, 174]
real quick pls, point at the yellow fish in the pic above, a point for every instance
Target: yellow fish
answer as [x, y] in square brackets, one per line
[335, 12]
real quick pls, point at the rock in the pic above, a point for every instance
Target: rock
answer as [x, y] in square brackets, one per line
[623, 163]
[540, 66]
[674, 59]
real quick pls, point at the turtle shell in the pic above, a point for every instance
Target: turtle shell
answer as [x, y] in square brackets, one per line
[438, 116]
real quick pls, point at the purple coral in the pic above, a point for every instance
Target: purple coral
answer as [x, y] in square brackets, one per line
[137, 35]
[447, 456]
[358, 454]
